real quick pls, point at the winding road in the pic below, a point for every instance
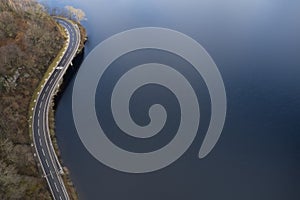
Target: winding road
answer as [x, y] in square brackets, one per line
[41, 136]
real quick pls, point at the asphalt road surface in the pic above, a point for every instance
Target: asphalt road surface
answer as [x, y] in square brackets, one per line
[41, 137]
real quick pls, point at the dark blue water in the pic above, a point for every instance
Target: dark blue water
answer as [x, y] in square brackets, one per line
[256, 46]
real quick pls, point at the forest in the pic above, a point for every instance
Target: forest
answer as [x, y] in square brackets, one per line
[29, 41]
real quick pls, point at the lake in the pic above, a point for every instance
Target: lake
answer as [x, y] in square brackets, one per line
[256, 46]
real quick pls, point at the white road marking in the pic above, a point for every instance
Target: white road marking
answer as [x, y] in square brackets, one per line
[47, 163]
[71, 37]
[56, 187]
[51, 81]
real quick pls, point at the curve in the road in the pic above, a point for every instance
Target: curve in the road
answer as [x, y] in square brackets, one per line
[41, 136]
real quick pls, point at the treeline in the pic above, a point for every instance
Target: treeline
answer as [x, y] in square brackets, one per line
[29, 40]
[20, 6]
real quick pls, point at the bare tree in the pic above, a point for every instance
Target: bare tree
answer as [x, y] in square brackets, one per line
[75, 13]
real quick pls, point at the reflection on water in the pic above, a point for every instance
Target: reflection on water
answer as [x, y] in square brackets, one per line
[256, 46]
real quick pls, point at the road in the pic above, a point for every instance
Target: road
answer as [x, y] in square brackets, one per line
[41, 138]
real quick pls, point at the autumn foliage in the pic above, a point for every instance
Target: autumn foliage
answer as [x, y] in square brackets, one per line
[29, 41]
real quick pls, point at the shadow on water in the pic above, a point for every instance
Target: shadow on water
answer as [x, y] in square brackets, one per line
[70, 73]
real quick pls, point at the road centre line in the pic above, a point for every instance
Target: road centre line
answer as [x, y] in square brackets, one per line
[51, 81]
[56, 187]
[43, 100]
[47, 162]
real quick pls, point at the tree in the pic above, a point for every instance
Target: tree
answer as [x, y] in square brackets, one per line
[75, 13]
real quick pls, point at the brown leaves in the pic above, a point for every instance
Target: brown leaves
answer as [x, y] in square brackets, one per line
[27, 46]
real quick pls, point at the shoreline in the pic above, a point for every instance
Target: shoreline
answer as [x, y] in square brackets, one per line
[71, 190]
[51, 116]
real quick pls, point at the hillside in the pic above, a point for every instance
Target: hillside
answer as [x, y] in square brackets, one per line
[29, 41]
